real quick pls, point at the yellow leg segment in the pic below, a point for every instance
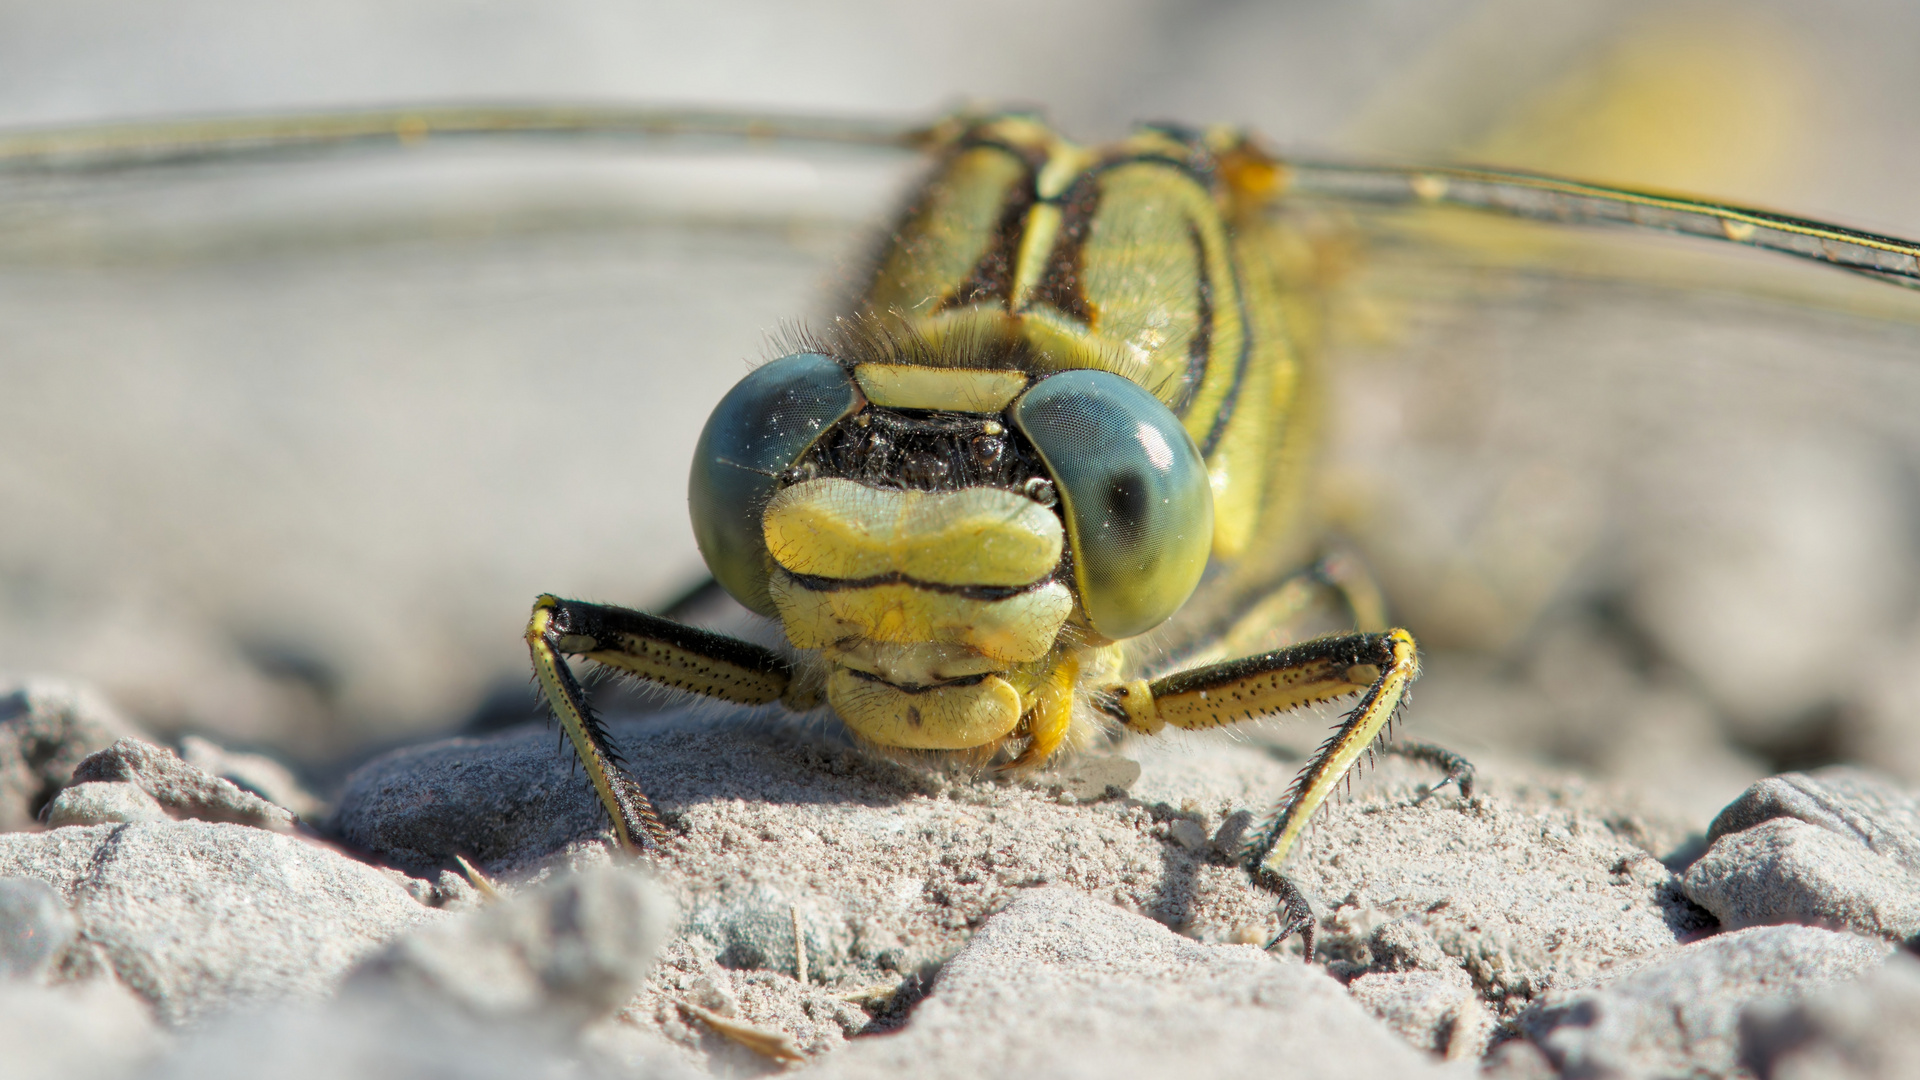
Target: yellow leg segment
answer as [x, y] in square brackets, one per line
[1378, 666]
[653, 649]
[1052, 713]
[1339, 753]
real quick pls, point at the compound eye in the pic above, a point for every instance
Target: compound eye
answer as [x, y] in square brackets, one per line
[1134, 492]
[757, 432]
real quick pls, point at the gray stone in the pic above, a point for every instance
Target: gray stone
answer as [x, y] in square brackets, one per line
[1838, 848]
[46, 727]
[1059, 986]
[566, 952]
[93, 1030]
[257, 773]
[1436, 1011]
[183, 791]
[1870, 810]
[501, 802]
[1406, 945]
[197, 917]
[447, 889]
[1785, 870]
[1528, 885]
[35, 927]
[360, 1036]
[1866, 1029]
[760, 927]
[890, 868]
[103, 802]
[521, 988]
[1680, 1014]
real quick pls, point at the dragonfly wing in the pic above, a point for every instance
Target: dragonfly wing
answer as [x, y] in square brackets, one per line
[1703, 454]
[450, 377]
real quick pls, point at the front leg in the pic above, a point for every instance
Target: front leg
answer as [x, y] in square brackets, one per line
[658, 651]
[1379, 667]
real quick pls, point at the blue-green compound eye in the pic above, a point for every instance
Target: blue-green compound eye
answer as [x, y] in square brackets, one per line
[1138, 507]
[763, 425]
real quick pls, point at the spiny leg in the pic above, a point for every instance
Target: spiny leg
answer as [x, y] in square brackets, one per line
[651, 648]
[1379, 667]
[1458, 769]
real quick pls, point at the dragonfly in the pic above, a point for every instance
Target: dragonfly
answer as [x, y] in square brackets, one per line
[1048, 476]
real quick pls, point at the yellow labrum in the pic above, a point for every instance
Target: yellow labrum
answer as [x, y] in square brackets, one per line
[942, 718]
[972, 537]
[911, 386]
[1015, 629]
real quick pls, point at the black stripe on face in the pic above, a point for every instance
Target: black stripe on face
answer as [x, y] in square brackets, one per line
[817, 583]
[916, 688]
[1061, 284]
[1200, 348]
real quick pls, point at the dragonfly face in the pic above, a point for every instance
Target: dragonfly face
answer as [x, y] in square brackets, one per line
[931, 547]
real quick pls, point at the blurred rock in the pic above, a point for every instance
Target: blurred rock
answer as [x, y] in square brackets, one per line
[1837, 848]
[1765, 564]
[1679, 1014]
[35, 928]
[1435, 1011]
[1866, 1029]
[93, 1030]
[498, 992]
[764, 928]
[103, 802]
[499, 801]
[256, 773]
[564, 953]
[198, 918]
[1852, 803]
[1787, 871]
[183, 791]
[359, 1036]
[1056, 985]
[1885, 728]
[46, 727]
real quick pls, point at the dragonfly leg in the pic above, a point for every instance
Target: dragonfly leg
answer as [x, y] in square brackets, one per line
[1379, 667]
[650, 648]
[1458, 769]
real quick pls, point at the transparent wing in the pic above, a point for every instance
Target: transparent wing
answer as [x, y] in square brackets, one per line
[301, 437]
[1548, 198]
[1670, 482]
[239, 137]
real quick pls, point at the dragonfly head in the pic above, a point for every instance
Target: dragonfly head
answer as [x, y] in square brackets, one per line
[940, 534]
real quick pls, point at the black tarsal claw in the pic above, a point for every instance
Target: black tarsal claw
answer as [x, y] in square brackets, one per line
[1296, 914]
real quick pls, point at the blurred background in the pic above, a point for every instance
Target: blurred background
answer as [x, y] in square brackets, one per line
[287, 448]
